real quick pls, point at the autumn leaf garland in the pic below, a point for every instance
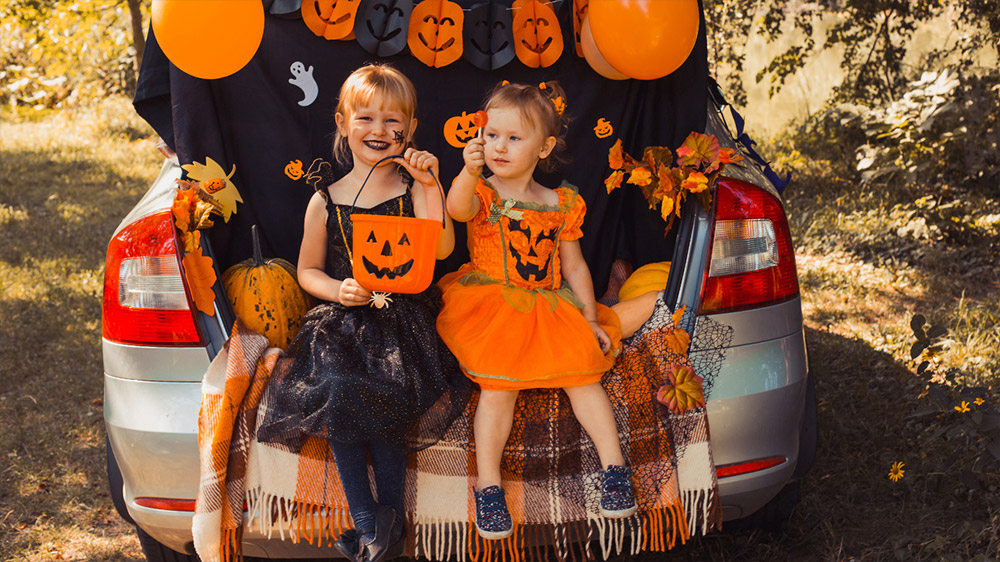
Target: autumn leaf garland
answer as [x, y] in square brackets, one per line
[700, 161]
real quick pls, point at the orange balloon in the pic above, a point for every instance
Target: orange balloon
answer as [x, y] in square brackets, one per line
[593, 55]
[644, 39]
[208, 39]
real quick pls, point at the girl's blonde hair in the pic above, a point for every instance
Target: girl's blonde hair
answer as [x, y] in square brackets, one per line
[366, 84]
[542, 106]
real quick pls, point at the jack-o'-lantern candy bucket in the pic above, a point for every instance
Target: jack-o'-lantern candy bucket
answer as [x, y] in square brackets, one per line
[394, 254]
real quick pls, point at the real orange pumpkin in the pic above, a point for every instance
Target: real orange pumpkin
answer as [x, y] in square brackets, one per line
[266, 297]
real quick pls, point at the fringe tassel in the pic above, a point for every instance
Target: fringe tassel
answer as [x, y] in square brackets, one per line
[702, 509]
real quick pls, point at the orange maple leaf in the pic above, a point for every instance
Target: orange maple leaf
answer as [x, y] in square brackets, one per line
[615, 159]
[678, 341]
[678, 314]
[698, 149]
[200, 277]
[614, 180]
[696, 182]
[640, 176]
[729, 156]
[682, 391]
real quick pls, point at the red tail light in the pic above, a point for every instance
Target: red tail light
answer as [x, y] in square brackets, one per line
[145, 297]
[752, 262]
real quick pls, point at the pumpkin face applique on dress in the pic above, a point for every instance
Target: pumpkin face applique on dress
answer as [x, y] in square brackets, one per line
[532, 251]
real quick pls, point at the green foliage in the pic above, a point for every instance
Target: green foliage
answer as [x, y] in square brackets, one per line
[59, 53]
[958, 425]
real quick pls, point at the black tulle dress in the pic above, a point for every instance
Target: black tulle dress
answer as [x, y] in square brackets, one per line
[358, 373]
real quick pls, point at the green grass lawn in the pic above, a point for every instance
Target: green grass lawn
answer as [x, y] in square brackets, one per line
[866, 266]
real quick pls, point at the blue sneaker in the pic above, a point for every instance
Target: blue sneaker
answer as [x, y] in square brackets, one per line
[492, 517]
[617, 497]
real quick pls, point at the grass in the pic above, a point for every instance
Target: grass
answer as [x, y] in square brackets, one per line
[867, 261]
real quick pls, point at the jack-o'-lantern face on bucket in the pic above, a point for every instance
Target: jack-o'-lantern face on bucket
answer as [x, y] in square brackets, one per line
[395, 254]
[537, 37]
[333, 19]
[381, 26]
[387, 259]
[532, 255]
[489, 43]
[435, 35]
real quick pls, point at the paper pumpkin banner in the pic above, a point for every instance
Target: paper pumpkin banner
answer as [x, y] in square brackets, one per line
[435, 32]
[538, 39]
[489, 40]
[381, 26]
[579, 12]
[208, 39]
[333, 19]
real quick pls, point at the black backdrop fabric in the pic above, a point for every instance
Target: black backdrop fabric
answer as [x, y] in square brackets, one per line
[252, 119]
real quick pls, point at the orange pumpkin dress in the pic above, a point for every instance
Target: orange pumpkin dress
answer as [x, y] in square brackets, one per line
[508, 316]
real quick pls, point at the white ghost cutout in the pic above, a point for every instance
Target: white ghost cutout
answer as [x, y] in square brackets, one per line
[303, 79]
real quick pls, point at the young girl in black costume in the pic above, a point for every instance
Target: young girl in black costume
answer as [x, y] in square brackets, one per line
[371, 380]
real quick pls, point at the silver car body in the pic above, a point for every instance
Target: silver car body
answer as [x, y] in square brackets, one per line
[755, 409]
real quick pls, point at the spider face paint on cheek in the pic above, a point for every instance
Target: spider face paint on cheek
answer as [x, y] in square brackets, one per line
[398, 137]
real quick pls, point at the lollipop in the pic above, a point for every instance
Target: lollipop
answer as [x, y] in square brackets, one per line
[480, 119]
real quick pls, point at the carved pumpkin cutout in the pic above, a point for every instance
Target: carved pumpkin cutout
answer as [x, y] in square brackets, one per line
[333, 19]
[381, 25]
[435, 34]
[532, 256]
[394, 254]
[538, 39]
[460, 129]
[489, 42]
[579, 13]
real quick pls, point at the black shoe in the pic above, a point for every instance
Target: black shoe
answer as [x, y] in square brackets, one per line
[347, 544]
[389, 539]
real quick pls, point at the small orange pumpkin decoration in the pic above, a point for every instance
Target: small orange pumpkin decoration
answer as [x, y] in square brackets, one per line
[266, 296]
[460, 129]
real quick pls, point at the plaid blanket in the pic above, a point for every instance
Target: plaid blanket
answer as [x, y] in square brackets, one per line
[552, 491]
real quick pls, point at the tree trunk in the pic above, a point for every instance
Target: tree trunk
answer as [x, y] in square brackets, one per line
[138, 40]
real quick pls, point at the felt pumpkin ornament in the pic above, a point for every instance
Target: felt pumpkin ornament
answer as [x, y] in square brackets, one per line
[579, 12]
[333, 19]
[381, 26]
[460, 129]
[435, 32]
[489, 41]
[538, 39]
[266, 296]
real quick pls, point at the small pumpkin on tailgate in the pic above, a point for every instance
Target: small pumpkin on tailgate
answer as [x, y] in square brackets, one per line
[266, 295]
[650, 277]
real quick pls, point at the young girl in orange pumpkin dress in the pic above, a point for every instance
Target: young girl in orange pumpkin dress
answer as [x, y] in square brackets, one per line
[522, 314]
[367, 373]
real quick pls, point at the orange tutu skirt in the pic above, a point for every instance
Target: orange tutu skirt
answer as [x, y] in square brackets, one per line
[509, 338]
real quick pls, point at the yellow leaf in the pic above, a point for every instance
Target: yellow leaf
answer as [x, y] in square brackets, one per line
[678, 314]
[614, 180]
[682, 391]
[678, 341]
[666, 206]
[216, 182]
[640, 176]
[615, 159]
[696, 182]
[200, 277]
[191, 240]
